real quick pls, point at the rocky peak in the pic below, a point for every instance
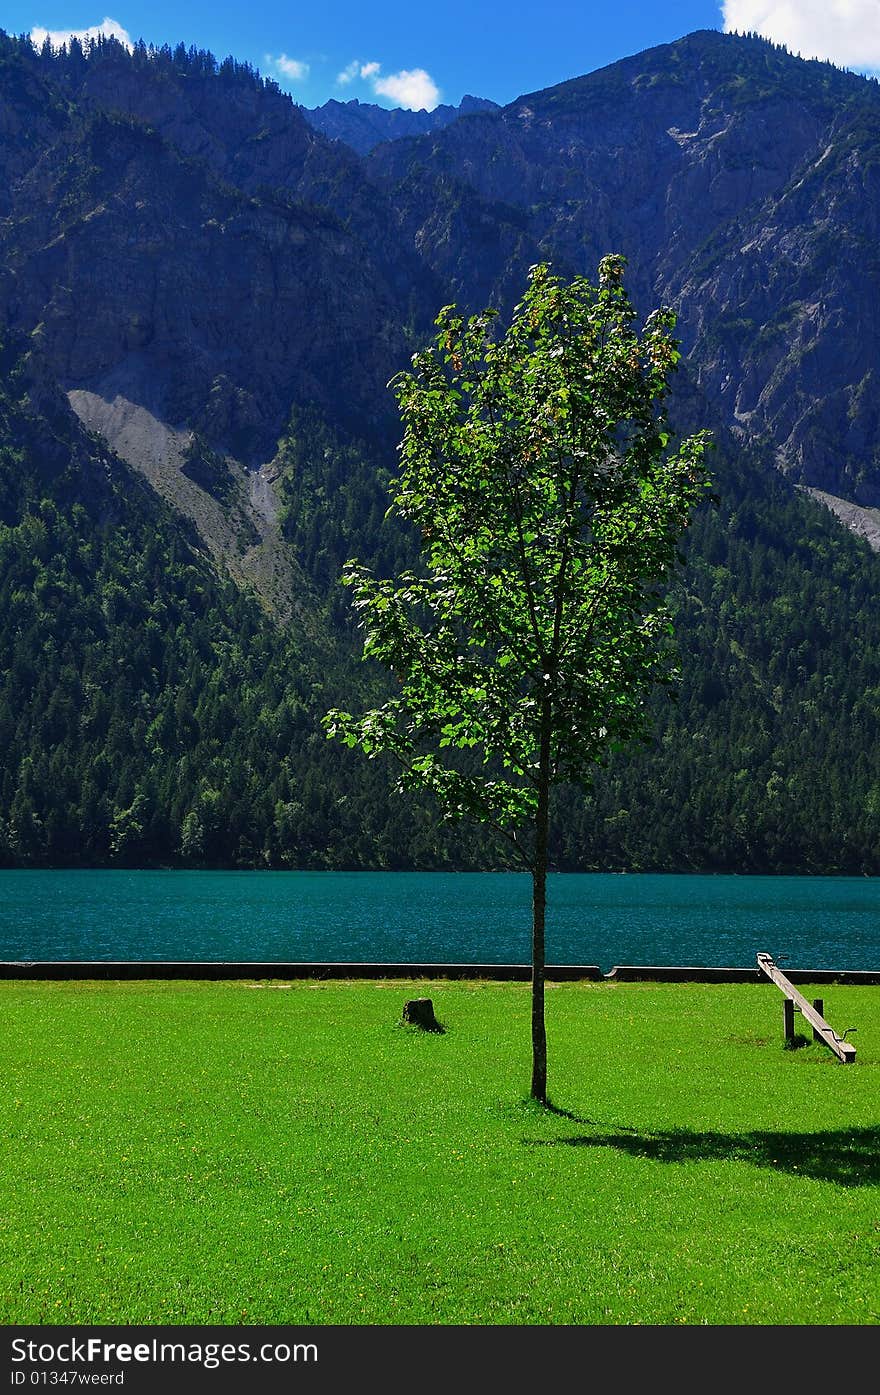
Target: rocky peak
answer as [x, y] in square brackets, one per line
[363, 125]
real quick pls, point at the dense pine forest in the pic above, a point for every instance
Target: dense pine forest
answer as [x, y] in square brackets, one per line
[151, 714]
[159, 705]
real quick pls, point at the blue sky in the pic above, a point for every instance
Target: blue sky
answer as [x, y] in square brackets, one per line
[407, 53]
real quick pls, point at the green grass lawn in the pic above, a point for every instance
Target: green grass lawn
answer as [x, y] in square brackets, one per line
[230, 1153]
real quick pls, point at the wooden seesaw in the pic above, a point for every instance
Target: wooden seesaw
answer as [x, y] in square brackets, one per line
[795, 1001]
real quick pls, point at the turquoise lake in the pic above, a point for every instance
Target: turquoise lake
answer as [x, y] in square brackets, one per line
[439, 917]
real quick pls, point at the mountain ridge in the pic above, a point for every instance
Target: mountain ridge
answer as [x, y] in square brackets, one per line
[363, 125]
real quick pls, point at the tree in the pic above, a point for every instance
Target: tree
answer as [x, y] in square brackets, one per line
[536, 467]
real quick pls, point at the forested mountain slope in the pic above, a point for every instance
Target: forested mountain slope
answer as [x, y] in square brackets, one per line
[149, 711]
[201, 302]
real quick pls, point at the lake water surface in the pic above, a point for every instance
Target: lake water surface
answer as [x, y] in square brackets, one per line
[439, 917]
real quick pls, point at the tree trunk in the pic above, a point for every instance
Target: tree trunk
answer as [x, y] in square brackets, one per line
[539, 909]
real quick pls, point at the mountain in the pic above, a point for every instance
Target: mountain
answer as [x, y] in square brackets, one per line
[743, 185]
[202, 299]
[173, 244]
[364, 124]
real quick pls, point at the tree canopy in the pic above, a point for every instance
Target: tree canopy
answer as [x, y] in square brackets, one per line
[536, 466]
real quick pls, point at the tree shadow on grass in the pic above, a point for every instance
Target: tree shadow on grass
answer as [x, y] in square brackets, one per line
[540, 1109]
[850, 1157]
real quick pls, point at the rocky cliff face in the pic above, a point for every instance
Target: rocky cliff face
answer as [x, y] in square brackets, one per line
[168, 233]
[743, 185]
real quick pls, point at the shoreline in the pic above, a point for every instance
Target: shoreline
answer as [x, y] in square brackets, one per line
[60, 970]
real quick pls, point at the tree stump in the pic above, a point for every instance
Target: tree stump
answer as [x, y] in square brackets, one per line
[419, 1012]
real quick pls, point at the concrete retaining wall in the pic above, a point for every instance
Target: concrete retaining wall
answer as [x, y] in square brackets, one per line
[556, 973]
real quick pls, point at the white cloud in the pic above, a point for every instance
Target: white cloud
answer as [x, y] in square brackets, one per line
[288, 67]
[59, 37]
[412, 88]
[845, 31]
[357, 69]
